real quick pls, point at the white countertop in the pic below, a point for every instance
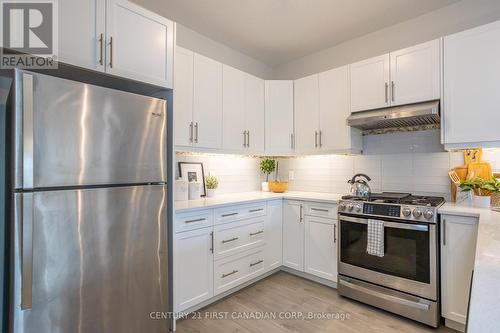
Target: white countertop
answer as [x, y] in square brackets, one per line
[248, 197]
[484, 309]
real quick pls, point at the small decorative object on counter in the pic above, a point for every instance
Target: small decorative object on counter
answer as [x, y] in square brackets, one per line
[181, 190]
[194, 190]
[193, 172]
[278, 186]
[211, 183]
[483, 190]
[267, 166]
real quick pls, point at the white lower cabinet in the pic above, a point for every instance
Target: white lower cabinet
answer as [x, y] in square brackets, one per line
[273, 234]
[193, 268]
[458, 246]
[293, 235]
[321, 247]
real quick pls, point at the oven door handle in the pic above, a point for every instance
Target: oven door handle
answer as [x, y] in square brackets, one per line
[390, 298]
[400, 225]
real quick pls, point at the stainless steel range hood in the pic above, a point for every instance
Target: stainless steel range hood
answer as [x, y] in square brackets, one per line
[404, 118]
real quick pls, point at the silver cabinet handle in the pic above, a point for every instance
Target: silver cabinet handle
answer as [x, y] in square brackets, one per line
[320, 210]
[27, 136]
[230, 214]
[25, 215]
[248, 139]
[256, 210]
[291, 141]
[335, 233]
[386, 93]
[316, 139]
[196, 132]
[444, 232]
[212, 242]
[392, 91]
[101, 47]
[301, 211]
[320, 139]
[195, 220]
[191, 132]
[256, 263]
[229, 274]
[256, 233]
[244, 138]
[111, 52]
[230, 240]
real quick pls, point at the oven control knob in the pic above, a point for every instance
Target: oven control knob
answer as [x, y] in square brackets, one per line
[350, 206]
[417, 213]
[406, 211]
[342, 206]
[358, 208]
[428, 214]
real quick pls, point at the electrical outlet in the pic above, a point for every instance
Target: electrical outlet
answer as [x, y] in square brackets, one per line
[291, 175]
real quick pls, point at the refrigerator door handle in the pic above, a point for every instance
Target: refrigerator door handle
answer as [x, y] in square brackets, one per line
[27, 144]
[25, 214]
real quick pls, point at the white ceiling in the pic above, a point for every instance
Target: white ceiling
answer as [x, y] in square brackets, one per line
[278, 31]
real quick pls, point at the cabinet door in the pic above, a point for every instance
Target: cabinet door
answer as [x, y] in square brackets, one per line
[279, 117]
[334, 108]
[416, 73]
[82, 40]
[233, 108]
[306, 104]
[471, 72]
[370, 83]
[458, 248]
[183, 97]
[273, 234]
[207, 108]
[321, 247]
[193, 268]
[141, 43]
[254, 113]
[293, 235]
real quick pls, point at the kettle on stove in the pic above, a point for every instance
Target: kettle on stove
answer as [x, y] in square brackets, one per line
[359, 186]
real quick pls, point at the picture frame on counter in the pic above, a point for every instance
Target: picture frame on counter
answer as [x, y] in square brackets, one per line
[193, 172]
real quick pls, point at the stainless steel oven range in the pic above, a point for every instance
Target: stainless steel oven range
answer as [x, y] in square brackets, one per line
[405, 280]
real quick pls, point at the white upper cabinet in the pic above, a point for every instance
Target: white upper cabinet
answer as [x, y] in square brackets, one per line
[306, 105]
[255, 114]
[279, 117]
[141, 43]
[370, 83]
[183, 97]
[233, 106]
[334, 108]
[471, 87]
[416, 73]
[207, 105]
[82, 27]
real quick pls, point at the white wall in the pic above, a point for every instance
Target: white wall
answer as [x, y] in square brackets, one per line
[463, 15]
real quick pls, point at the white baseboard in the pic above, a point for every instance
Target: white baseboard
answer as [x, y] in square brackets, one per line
[311, 277]
[454, 325]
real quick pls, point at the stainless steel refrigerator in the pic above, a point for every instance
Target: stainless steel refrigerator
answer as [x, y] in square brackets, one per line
[89, 236]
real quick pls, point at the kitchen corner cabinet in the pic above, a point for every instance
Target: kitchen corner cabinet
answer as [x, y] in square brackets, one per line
[243, 112]
[458, 248]
[306, 105]
[193, 268]
[273, 234]
[471, 98]
[117, 37]
[293, 234]
[279, 134]
[406, 76]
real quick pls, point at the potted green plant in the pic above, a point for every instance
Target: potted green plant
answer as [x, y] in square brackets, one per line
[482, 189]
[267, 166]
[211, 182]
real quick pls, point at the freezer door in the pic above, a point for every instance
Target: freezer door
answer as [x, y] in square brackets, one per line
[69, 133]
[91, 260]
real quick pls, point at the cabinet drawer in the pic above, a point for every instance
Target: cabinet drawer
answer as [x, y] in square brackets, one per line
[193, 220]
[235, 270]
[239, 212]
[321, 210]
[239, 236]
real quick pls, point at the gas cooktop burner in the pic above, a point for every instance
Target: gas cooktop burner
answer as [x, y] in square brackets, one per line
[399, 198]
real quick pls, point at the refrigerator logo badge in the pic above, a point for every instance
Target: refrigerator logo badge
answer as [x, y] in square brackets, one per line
[29, 34]
[156, 114]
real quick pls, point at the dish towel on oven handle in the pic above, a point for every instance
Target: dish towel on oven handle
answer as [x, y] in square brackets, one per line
[375, 238]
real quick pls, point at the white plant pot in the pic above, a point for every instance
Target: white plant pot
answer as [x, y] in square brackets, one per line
[482, 201]
[265, 186]
[211, 192]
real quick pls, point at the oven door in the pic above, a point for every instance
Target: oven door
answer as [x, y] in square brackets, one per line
[409, 263]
